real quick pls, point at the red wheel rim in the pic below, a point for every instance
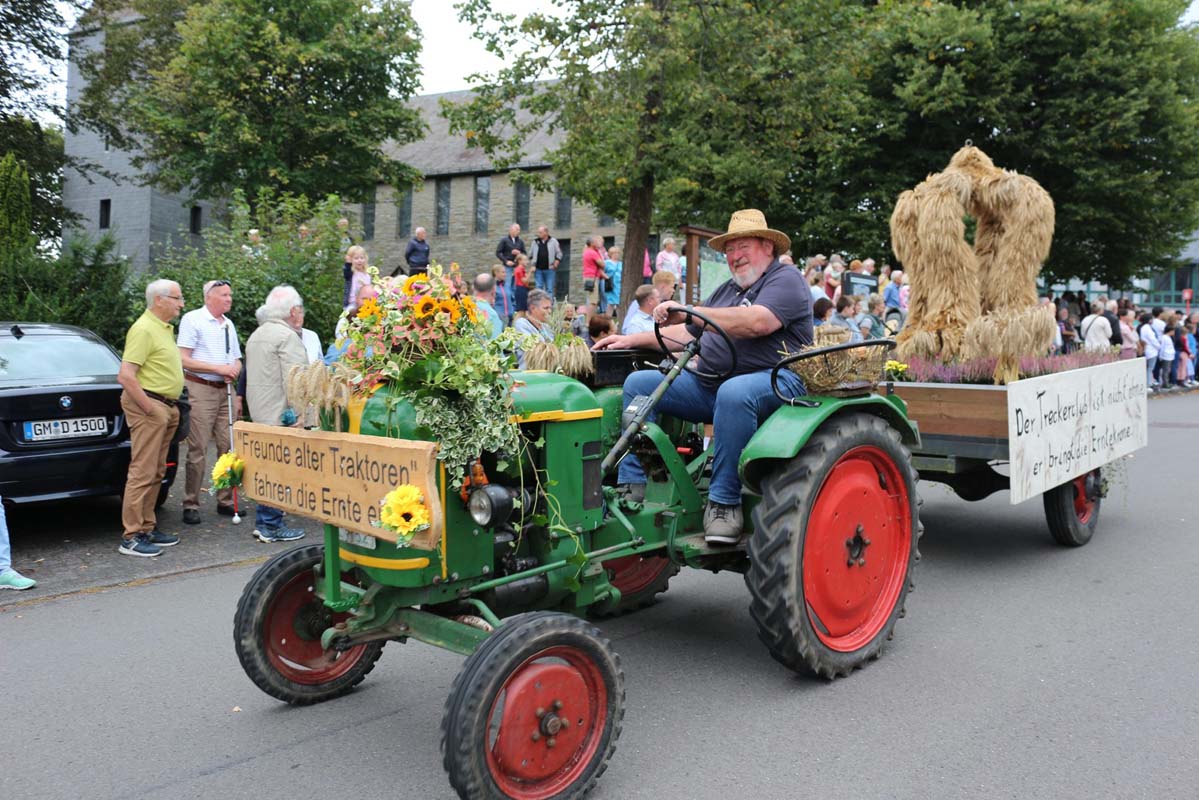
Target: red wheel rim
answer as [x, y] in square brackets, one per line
[557, 696]
[856, 549]
[292, 635]
[1084, 498]
[633, 574]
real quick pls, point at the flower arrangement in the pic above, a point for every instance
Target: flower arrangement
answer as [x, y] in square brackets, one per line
[425, 337]
[403, 512]
[981, 370]
[227, 472]
[895, 371]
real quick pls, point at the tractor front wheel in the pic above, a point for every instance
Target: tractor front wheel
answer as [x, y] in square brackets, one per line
[640, 580]
[834, 547]
[277, 632]
[1072, 509]
[535, 711]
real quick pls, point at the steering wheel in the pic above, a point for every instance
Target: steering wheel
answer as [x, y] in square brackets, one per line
[708, 323]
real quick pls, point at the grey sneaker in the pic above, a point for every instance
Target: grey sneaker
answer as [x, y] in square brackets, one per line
[278, 534]
[11, 579]
[139, 546]
[634, 492]
[161, 539]
[722, 524]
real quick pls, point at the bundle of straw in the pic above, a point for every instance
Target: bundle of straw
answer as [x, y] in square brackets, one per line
[843, 370]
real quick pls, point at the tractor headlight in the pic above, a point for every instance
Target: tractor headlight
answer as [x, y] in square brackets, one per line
[490, 505]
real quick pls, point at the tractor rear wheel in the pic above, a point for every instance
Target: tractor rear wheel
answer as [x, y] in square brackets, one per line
[640, 580]
[277, 633]
[1072, 509]
[535, 711]
[834, 547]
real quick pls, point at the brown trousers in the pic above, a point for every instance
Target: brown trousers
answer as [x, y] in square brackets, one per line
[149, 439]
[209, 423]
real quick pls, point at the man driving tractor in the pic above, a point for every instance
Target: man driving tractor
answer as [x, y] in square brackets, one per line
[766, 308]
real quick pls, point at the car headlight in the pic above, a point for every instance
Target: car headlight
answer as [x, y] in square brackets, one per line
[490, 505]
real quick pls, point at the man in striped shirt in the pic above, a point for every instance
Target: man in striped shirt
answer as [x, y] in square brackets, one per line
[211, 361]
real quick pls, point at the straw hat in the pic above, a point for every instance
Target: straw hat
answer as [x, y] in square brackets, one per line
[750, 223]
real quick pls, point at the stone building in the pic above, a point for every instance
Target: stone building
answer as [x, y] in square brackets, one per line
[466, 208]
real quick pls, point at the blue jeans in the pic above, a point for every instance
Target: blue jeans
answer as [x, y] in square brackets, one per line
[545, 280]
[5, 548]
[509, 281]
[735, 409]
[267, 518]
[1150, 366]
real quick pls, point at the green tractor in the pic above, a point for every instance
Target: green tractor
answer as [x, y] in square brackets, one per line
[535, 546]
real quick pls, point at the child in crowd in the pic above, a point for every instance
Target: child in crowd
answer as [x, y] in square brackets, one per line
[359, 277]
[523, 280]
[503, 303]
[1165, 358]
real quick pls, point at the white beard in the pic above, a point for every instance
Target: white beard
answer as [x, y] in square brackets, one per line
[748, 279]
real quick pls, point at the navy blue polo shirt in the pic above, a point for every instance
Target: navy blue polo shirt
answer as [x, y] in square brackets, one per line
[781, 289]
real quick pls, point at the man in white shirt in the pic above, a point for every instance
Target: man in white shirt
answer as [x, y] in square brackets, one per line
[640, 319]
[211, 358]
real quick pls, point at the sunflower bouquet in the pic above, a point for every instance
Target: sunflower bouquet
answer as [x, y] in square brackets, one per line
[424, 336]
[403, 512]
[227, 472]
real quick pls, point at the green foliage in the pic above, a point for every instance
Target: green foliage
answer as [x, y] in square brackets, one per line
[40, 149]
[85, 286]
[297, 97]
[1095, 99]
[15, 206]
[311, 263]
[30, 43]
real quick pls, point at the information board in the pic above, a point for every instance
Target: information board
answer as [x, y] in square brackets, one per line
[1064, 425]
[338, 478]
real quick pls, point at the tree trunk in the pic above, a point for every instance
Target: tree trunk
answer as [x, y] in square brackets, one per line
[636, 238]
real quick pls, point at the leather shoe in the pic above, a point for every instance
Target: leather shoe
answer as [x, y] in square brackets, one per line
[191, 516]
[224, 511]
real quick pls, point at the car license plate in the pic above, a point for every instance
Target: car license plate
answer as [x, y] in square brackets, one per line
[356, 539]
[47, 429]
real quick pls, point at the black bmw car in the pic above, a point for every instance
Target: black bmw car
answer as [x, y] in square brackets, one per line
[62, 431]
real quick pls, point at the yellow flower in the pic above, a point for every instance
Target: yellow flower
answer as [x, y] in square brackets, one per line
[369, 308]
[414, 284]
[472, 312]
[452, 308]
[426, 307]
[403, 511]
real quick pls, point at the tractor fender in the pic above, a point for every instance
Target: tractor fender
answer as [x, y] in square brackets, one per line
[788, 429]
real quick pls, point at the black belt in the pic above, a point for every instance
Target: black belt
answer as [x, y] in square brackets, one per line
[156, 396]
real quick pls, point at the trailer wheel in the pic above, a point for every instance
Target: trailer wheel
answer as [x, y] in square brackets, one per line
[535, 711]
[1072, 509]
[640, 580]
[277, 633]
[834, 547]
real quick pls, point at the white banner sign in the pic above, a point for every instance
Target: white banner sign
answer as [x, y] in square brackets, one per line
[1064, 425]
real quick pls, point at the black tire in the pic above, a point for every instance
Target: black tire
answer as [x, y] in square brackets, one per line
[286, 664]
[508, 662]
[1072, 509]
[164, 491]
[781, 605]
[640, 580]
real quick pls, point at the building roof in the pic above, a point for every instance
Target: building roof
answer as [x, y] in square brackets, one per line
[441, 153]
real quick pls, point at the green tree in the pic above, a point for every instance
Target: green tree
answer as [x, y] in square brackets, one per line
[15, 206]
[40, 149]
[311, 262]
[682, 111]
[297, 97]
[1095, 99]
[30, 43]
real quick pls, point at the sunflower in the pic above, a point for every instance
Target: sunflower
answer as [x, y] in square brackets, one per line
[227, 471]
[425, 307]
[403, 511]
[414, 284]
[452, 308]
[472, 312]
[369, 308]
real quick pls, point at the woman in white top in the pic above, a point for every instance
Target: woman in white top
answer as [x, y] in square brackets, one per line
[1152, 346]
[1096, 330]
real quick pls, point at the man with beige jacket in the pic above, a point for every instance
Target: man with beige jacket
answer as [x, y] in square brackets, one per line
[271, 351]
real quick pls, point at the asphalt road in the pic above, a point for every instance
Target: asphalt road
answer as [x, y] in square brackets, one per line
[1023, 670]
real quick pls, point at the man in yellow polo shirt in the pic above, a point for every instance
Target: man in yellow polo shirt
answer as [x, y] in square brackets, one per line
[152, 378]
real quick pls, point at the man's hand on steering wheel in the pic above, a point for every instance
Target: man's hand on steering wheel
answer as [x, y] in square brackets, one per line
[670, 312]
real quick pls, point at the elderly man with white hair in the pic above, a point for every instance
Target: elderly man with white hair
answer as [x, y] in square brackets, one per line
[151, 377]
[271, 351]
